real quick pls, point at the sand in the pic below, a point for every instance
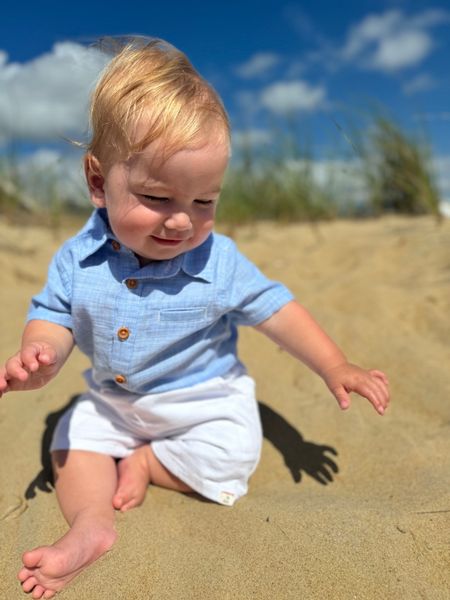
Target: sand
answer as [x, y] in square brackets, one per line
[344, 504]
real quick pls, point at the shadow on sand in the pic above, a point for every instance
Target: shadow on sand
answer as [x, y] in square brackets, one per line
[300, 456]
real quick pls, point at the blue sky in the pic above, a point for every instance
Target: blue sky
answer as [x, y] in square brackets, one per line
[319, 62]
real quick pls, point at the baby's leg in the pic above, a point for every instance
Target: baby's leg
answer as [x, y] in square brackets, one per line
[85, 484]
[136, 472]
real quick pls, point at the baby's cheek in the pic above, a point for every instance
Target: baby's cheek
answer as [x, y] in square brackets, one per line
[205, 228]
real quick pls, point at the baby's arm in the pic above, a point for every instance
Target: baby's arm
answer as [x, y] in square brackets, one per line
[45, 348]
[295, 330]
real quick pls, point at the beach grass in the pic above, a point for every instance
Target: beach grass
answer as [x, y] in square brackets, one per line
[282, 186]
[279, 183]
[398, 172]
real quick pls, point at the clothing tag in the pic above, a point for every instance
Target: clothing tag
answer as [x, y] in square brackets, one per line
[227, 498]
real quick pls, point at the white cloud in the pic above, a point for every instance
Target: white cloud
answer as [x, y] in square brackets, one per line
[441, 168]
[421, 83]
[392, 41]
[53, 176]
[48, 97]
[403, 50]
[291, 96]
[444, 209]
[257, 65]
[371, 29]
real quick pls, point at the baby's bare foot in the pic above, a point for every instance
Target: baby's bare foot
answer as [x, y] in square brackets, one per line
[134, 478]
[48, 569]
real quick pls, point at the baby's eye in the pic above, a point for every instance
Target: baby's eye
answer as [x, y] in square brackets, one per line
[154, 198]
[205, 202]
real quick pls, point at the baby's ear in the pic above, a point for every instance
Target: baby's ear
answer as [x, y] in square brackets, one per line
[95, 180]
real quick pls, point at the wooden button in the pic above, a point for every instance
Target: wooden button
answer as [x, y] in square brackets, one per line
[120, 379]
[115, 245]
[131, 283]
[123, 333]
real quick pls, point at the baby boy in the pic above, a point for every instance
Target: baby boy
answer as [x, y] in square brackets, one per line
[154, 298]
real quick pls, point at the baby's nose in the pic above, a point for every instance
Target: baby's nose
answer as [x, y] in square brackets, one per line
[180, 221]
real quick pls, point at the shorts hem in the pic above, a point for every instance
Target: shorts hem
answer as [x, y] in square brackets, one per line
[225, 494]
[114, 451]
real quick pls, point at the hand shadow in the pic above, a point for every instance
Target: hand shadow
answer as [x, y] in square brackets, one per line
[299, 455]
[44, 479]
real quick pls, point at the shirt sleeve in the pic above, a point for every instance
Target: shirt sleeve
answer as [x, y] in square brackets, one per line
[53, 303]
[252, 297]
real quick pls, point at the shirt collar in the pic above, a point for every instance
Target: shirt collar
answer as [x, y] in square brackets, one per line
[196, 263]
[95, 233]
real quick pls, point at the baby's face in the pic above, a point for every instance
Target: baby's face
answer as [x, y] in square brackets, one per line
[160, 210]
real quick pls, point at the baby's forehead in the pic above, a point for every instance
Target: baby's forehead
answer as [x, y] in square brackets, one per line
[198, 168]
[160, 153]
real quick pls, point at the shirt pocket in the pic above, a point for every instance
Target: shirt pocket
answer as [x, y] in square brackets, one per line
[183, 315]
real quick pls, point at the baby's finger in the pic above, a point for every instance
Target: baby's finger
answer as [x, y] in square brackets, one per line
[29, 357]
[3, 382]
[382, 391]
[342, 397]
[15, 369]
[380, 375]
[47, 357]
[381, 396]
[4, 391]
[34, 356]
[370, 390]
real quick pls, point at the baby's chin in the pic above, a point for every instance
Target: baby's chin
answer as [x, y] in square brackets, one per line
[166, 254]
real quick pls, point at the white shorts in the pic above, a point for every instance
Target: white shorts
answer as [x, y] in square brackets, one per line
[208, 435]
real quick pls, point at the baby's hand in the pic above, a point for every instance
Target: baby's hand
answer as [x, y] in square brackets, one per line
[347, 378]
[31, 368]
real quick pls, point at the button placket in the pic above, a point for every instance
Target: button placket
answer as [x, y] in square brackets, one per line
[126, 305]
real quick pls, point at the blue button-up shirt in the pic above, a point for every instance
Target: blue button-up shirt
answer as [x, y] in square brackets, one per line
[170, 324]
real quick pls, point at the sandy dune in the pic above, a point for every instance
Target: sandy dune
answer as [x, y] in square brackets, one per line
[379, 528]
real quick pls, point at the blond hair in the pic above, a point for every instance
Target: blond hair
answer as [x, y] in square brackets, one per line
[155, 85]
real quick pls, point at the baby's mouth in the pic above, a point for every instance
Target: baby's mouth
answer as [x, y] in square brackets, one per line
[166, 241]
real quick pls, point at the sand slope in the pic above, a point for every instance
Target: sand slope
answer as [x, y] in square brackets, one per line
[378, 530]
